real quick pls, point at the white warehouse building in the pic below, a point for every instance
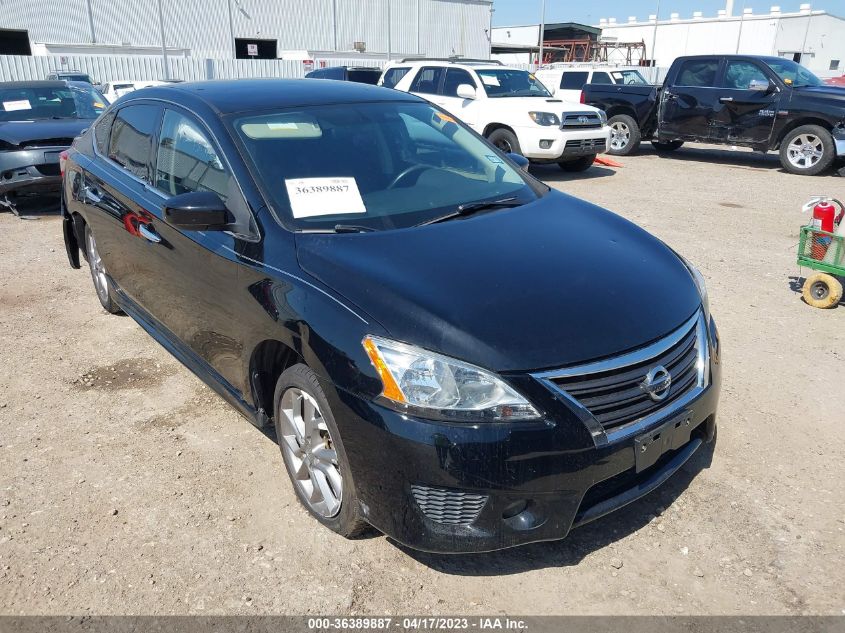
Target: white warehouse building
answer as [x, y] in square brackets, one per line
[247, 28]
[814, 38]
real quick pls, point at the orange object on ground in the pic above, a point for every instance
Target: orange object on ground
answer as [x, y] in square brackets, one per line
[607, 162]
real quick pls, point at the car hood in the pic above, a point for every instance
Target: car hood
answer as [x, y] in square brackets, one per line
[555, 105]
[552, 283]
[832, 92]
[54, 131]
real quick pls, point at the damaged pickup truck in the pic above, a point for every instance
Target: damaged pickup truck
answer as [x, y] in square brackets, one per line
[38, 121]
[765, 103]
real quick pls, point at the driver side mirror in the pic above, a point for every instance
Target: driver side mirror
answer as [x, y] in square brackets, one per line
[520, 161]
[761, 85]
[465, 91]
[197, 211]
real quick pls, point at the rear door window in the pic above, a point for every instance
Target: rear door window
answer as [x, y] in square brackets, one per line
[393, 76]
[130, 142]
[427, 80]
[573, 80]
[600, 78]
[698, 73]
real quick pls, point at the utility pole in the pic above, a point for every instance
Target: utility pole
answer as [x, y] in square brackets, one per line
[739, 35]
[389, 42]
[806, 35]
[654, 41]
[163, 43]
[91, 22]
[232, 29]
[542, 31]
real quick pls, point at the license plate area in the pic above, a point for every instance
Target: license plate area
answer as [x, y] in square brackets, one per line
[51, 157]
[667, 437]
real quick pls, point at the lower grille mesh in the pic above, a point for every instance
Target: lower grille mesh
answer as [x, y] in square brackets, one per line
[449, 507]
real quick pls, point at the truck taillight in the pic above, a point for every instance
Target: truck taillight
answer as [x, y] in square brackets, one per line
[583, 99]
[62, 162]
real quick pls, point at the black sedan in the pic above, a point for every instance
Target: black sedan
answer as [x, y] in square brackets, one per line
[39, 120]
[449, 350]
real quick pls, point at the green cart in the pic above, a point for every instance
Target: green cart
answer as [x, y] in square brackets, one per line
[824, 253]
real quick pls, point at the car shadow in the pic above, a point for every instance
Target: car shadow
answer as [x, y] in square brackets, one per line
[34, 207]
[553, 173]
[738, 159]
[580, 542]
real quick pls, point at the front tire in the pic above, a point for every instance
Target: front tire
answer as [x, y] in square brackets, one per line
[625, 135]
[102, 283]
[313, 452]
[505, 140]
[807, 150]
[579, 164]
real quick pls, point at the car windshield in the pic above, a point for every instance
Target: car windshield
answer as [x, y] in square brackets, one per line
[628, 77]
[509, 82]
[793, 74]
[40, 102]
[373, 165]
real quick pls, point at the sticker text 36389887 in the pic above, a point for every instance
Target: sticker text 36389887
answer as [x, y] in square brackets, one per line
[311, 197]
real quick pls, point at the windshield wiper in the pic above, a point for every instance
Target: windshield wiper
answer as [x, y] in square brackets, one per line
[471, 207]
[352, 228]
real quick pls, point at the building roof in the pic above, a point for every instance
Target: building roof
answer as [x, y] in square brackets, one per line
[241, 95]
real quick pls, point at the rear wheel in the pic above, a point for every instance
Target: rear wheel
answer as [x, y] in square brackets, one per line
[625, 135]
[822, 290]
[807, 150]
[102, 283]
[313, 452]
[505, 140]
[668, 146]
[579, 164]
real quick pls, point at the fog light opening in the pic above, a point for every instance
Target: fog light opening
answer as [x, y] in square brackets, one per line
[515, 508]
[545, 144]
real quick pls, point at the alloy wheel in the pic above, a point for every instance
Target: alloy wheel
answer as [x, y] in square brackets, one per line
[307, 446]
[504, 145]
[98, 270]
[805, 151]
[620, 135]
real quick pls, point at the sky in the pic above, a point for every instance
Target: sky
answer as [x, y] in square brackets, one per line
[516, 12]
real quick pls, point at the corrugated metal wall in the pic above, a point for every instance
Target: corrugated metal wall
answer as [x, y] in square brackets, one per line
[109, 68]
[432, 27]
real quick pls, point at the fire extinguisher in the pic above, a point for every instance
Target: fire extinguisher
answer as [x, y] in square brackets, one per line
[823, 215]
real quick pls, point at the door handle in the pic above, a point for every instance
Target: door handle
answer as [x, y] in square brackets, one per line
[725, 99]
[92, 195]
[148, 233]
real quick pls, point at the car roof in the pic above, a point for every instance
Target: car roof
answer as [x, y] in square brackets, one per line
[61, 83]
[245, 95]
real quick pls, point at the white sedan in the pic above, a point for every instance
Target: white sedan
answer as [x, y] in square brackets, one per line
[113, 90]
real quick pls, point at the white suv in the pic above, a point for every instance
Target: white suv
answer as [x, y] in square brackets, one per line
[508, 106]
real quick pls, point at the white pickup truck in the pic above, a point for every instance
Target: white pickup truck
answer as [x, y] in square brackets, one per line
[509, 107]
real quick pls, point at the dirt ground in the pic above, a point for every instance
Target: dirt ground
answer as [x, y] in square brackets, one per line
[127, 487]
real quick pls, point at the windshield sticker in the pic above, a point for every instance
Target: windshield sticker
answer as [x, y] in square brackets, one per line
[444, 117]
[490, 80]
[494, 159]
[310, 197]
[10, 106]
[616, 75]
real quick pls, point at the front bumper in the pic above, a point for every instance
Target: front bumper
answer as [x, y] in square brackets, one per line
[31, 170]
[552, 144]
[452, 488]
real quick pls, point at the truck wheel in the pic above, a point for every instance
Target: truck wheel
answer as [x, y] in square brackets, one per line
[313, 452]
[822, 290]
[668, 146]
[625, 135]
[505, 140]
[807, 150]
[579, 164]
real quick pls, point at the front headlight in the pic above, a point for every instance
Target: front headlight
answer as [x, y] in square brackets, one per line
[544, 118]
[603, 117]
[434, 386]
[698, 278]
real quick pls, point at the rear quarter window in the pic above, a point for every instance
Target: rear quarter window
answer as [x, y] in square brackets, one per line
[393, 76]
[573, 80]
[101, 133]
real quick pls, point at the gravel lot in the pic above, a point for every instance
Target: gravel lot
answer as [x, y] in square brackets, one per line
[127, 487]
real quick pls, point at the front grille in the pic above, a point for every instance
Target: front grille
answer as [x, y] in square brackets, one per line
[580, 121]
[587, 143]
[614, 393]
[449, 507]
